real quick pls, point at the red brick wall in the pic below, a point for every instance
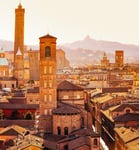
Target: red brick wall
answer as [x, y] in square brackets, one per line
[63, 121]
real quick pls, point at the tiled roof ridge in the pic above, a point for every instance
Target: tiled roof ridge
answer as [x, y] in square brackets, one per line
[67, 83]
[125, 117]
[123, 106]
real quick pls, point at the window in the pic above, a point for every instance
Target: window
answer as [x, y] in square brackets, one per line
[66, 147]
[50, 111]
[50, 69]
[66, 131]
[0, 86]
[58, 131]
[50, 83]
[82, 122]
[45, 98]
[45, 111]
[47, 51]
[65, 97]
[45, 84]
[95, 142]
[4, 85]
[78, 96]
[20, 75]
[12, 85]
[45, 69]
[20, 65]
[50, 98]
[4, 73]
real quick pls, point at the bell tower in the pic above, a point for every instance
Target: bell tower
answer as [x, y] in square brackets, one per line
[48, 86]
[19, 44]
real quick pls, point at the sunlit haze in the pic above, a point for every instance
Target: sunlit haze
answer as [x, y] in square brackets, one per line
[71, 20]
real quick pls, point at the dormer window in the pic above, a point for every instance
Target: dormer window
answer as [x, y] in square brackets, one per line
[47, 51]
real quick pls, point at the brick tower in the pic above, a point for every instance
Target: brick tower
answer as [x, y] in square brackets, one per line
[19, 44]
[119, 58]
[48, 86]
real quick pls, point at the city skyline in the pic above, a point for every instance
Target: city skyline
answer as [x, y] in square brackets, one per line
[73, 20]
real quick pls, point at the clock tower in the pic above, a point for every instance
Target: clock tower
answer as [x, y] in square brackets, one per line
[48, 86]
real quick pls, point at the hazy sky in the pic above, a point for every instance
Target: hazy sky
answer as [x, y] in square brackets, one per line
[71, 20]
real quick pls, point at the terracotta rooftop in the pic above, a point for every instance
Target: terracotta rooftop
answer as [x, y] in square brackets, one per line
[134, 107]
[51, 140]
[13, 130]
[32, 147]
[48, 36]
[66, 109]
[66, 85]
[19, 106]
[84, 132]
[127, 117]
[52, 137]
[127, 135]
[133, 145]
[5, 137]
[114, 90]
[7, 78]
[102, 99]
[34, 90]
[79, 142]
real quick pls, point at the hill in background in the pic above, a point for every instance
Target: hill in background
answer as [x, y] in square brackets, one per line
[88, 50]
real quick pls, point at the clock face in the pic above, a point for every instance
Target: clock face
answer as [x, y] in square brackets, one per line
[47, 51]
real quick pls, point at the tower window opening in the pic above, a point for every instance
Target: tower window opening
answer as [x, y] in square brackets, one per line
[47, 51]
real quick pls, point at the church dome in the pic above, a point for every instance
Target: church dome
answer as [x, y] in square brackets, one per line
[3, 62]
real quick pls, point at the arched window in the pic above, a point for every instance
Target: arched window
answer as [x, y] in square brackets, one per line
[95, 141]
[28, 116]
[47, 51]
[66, 131]
[58, 131]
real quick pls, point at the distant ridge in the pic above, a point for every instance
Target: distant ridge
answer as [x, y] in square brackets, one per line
[108, 46]
[88, 50]
[91, 50]
[9, 45]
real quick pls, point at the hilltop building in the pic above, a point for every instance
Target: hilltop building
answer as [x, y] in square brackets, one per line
[105, 62]
[119, 58]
